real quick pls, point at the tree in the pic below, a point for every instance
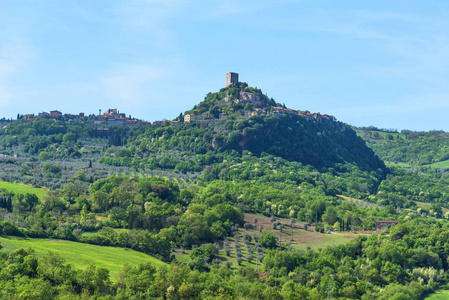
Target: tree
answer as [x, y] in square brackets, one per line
[85, 216]
[44, 156]
[69, 137]
[196, 229]
[269, 240]
[436, 210]
[330, 216]
[70, 192]
[51, 267]
[100, 201]
[209, 251]
[31, 200]
[337, 225]
[51, 169]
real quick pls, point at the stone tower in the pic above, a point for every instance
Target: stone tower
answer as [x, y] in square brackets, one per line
[231, 78]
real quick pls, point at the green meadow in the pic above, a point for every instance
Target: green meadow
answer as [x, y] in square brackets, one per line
[399, 164]
[395, 135]
[439, 165]
[439, 295]
[19, 188]
[426, 206]
[82, 255]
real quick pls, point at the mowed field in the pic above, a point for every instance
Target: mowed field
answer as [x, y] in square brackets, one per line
[393, 164]
[297, 237]
[395, 135]
[82, 255]
[19, 188]
[439, 165]
[426, 206]
[439, 295]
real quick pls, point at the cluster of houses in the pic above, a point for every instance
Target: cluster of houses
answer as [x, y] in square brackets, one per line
[255, 101]
[274, 111]
[57, 113]
[6, 156]
[113, 117]
[247, 98]
[110, 117]
[384, 224]
[51, 114]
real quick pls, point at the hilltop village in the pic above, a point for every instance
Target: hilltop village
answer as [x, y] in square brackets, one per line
[253, 105]
[109, 117]
[249, 103]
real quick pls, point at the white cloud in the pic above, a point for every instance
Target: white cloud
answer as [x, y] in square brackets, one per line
[129, 84]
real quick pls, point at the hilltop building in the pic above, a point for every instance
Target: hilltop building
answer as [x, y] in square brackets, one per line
[231, 78]
[43, 114]
[385, 223]
[55, 113]
[258, 106]
[113, 113]
[189, 118]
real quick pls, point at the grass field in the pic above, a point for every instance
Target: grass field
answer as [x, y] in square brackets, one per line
[426, 206]
[439, 165]
[297, 237]
[19, 188]
[395, 135]
[393, 164]
[117, 230]
[439, 295]
[82, 255]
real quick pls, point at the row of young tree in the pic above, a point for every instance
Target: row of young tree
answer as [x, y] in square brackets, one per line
[160, 215]
[409, 263]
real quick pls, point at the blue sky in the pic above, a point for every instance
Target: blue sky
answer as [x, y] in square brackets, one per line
[382, 63]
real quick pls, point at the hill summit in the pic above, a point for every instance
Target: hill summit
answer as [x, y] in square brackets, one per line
[237, 99]
[240, 117]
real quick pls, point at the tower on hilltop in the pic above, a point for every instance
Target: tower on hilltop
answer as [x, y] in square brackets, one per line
[231, 78]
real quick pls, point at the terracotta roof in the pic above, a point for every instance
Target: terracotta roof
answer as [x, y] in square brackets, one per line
[387, 221]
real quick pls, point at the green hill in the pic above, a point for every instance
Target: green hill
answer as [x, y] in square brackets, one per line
[413, 148]
[225, 130]
[242, 180]
[234, 124]
[82, 255]
[265, 126]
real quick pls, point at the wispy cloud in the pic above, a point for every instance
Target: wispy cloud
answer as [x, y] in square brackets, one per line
[356, 31]
[152, 18]
[219, 8]
[411, 46]
[129, 84]
[13, 59]
[402, 17]
[429, 102]
[426, 60]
